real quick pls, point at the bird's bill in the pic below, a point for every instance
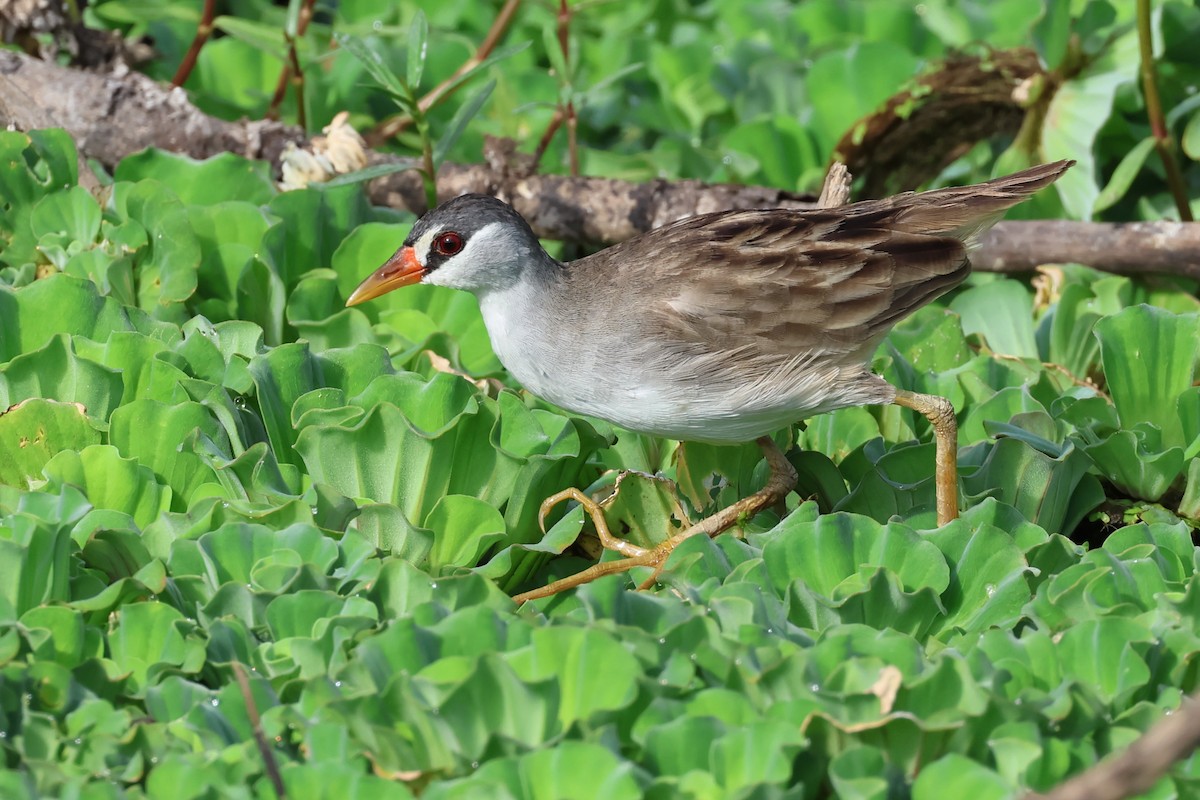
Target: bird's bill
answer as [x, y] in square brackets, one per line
[402, 269]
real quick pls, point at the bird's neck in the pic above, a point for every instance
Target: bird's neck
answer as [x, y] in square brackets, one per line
[520, 319]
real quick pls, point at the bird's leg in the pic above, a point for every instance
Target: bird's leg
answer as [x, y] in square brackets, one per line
[940, 413]
[780, 482]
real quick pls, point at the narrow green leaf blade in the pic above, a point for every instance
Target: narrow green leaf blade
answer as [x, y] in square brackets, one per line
[380, 71]
[1124, 174]
[418, 35]
[459, 122]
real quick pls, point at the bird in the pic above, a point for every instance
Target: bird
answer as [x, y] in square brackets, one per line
[720, 328]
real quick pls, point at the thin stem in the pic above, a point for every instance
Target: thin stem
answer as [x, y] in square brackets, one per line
[203, 31]
[555, 122]
[1154, 112]
[285, 75]
[260, 738]
[298, 82]
[390, 127]
[564, 42]
[562, 112]
[572, 139]
[428, 170]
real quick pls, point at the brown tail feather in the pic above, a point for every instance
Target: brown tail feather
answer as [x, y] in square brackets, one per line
[960, 212]
[965, 212]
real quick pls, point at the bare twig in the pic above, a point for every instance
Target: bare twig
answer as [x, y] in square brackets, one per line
[555, 123]
[390, 127]
[563, 23]
[285, 75]
[563, 112]
[260, 738]
[1141, 765]
[836, 189]
[1158, 125]
[203, 31]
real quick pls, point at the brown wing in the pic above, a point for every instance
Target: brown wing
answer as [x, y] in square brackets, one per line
[784, 282]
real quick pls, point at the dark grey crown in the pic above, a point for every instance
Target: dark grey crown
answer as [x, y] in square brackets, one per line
[466, 215]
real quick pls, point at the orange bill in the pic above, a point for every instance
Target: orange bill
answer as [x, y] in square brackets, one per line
[402, 269]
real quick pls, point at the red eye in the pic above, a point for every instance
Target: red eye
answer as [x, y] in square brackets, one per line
[448, 244]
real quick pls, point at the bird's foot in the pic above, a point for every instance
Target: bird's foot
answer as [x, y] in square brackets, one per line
[782, 480]
[635, 555]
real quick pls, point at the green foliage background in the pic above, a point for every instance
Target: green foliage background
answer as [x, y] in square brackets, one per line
[208, 462]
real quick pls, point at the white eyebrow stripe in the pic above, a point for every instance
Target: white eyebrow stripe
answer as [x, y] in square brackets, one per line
[421, 246]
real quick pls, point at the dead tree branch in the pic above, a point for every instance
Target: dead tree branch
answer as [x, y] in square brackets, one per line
[116, 114]
[1140, 765]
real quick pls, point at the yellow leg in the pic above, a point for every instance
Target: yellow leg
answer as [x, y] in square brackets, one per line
[940, 413]
[781, 481]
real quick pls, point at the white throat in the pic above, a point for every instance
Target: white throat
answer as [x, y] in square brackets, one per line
[516, 318]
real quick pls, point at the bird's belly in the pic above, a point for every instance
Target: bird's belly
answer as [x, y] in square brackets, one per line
[646, 401]
[637, 386]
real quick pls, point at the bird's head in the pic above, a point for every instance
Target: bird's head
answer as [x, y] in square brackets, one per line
[473, 242]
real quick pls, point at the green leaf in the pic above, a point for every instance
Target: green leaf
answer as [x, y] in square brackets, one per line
[569, 655]
[56, 372]
[166, 268]
[955, 775]
[494, 701]
[145, 639]
[860, 773]
[682, 745]
[1002, 312]
[458, 123]
[34, 431]
[58, 634]
[1135, 461]
[378, 69]
[571, 769]
[988, 586]
[1053, 491]
[645, 508]
[1191, 137]
[158, 435]
[1124, 175]
[265, 38]
[73, 214]
[418, 34]
[1149, 357]
[778, 151]
[1077, 111]
[35, 552]
[761, 753]
[1102, 654]
[60, 304]
[1052, 33]
[371, 173]
[831, 554]
[463, 529]
[221, 178]
[112, 482]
